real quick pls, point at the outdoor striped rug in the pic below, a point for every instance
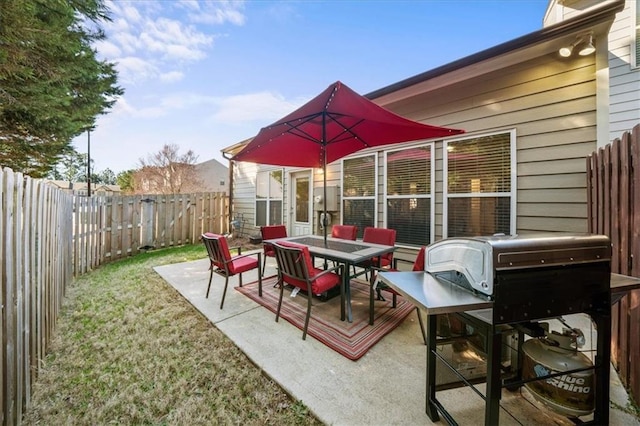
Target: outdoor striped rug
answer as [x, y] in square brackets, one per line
[352, 340]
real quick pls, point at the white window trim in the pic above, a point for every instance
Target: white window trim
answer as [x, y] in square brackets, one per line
[374, 197]
[511, 194]
[268, 198]
[431, 195]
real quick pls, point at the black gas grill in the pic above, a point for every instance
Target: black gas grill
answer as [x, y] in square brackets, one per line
[528, 277]
[509, 283]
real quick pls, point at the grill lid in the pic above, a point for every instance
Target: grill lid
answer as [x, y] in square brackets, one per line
[473, 262]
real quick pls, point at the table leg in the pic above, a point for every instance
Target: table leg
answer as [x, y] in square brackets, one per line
[371, 283]
[347, 288]
[343, 286]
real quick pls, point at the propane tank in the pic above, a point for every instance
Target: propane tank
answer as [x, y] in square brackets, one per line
[572, 394]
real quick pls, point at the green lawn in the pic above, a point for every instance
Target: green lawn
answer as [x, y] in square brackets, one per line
[130, 350]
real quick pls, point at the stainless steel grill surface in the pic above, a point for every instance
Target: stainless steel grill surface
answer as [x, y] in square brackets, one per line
[527, 276]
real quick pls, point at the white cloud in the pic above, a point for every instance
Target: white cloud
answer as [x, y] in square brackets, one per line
[146, 38]
[132, 69]
[175, 40]
[108, 49]
[254, 107]
[219, 12]
[172, 76]
[260, 107]
[123, 108]
[131, 14]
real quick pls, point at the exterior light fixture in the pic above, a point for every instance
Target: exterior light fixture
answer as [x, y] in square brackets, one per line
[587, 47]
[565, 51]
[584, 45]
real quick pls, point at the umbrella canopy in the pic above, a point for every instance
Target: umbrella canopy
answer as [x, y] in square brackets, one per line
[334, 124]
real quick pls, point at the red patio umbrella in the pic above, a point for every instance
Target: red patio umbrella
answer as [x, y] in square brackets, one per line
[334, 124]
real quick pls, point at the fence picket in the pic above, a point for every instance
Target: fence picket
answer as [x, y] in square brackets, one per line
[613, 188]
[47, 236]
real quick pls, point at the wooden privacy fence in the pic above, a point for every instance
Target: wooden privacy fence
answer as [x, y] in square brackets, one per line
[48, 235]
[112, 227]
[35, 239]
[613, 175]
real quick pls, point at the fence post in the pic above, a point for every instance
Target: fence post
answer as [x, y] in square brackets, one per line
[147, 237]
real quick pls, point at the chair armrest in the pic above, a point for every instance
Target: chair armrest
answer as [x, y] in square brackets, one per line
[239, 248]
[330, 270]
[238, 256]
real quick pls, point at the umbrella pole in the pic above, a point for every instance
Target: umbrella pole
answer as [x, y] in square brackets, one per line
[324, 202]
[324, 176]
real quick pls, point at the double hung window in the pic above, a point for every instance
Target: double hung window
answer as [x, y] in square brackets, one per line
[359, 192]
[269, 198]
[409, 194]
[479, 180]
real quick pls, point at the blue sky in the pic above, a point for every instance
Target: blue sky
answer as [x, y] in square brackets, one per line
[206, 74]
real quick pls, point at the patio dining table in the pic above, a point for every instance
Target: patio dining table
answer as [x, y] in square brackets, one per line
[349, 253]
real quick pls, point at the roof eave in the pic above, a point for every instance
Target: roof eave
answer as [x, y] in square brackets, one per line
[599, 19]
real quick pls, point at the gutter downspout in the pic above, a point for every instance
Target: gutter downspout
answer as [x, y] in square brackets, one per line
[231, 163]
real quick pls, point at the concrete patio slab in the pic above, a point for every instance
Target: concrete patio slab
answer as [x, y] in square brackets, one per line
[385, 387]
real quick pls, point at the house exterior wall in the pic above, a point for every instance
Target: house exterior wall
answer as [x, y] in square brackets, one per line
[212, 176]
[624, 67]
[244, 193]
[624, 72]
[551, 106]
[550, 103]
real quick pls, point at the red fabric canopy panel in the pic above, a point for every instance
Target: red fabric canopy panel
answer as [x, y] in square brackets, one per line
[334, 124]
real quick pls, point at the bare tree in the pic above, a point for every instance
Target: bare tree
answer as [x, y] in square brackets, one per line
[166, 172]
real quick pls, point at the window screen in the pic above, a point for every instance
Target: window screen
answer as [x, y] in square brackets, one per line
[269, 198]
[409, 194]
[358, 192]
[478, 184]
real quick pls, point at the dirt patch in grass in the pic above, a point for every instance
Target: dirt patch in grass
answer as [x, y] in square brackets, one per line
[129, 349]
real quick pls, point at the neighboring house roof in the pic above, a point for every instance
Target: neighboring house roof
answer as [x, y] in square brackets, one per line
[82, 186]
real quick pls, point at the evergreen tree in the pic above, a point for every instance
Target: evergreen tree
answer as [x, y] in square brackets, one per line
[125, 181]
[52, 86]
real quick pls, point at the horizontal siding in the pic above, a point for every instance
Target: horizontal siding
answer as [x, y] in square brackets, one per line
[553, 182]
[551, 104]
[624, 96]
[564, 210]
[579, 135]
[536, 168]
[558, 152]
[558, 196]
[543, 224]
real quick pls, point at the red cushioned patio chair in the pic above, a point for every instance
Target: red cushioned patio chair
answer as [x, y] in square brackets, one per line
[222, 263]
[296, 268]
[382, 236]
[344, 232]
[269, 233]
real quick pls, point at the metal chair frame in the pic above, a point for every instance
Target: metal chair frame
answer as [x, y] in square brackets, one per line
[291, 265]
[221, 262]
[270, 232]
